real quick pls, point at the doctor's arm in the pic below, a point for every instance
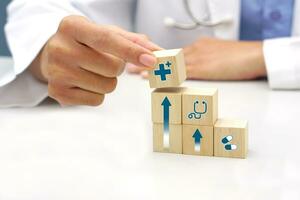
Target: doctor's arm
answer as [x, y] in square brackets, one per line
[41, 44]
[216, 59]
[277, 59]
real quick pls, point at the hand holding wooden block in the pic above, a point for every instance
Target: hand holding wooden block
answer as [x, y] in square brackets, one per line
[170, 70]
[231, 138]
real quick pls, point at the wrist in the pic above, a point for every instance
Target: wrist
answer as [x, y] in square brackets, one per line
[255, 59]
[36, 67]
[260, 60]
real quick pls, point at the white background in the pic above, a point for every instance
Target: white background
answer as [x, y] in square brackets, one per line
[49, 152]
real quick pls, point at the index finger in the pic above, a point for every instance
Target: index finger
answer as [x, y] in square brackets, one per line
[140, 39]
[101, 39]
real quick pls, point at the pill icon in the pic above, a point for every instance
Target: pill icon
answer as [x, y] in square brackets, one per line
[230, 147]
[226, 139]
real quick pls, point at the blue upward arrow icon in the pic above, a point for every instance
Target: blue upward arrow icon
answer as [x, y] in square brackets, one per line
[197, 136]
[166, 111]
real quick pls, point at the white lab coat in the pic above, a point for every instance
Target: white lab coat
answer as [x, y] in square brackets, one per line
[32, 22]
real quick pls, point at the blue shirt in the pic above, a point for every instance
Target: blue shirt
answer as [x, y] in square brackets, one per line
[265, 19]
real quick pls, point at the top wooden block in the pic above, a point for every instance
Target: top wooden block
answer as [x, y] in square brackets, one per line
[200, 106]
[169, 71]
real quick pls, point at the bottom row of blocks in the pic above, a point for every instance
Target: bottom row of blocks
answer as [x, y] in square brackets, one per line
[228, 138]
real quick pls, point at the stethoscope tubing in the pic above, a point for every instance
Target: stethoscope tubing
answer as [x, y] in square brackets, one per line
[170, 22]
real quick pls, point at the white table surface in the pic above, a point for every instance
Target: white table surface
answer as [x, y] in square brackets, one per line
[49, 152]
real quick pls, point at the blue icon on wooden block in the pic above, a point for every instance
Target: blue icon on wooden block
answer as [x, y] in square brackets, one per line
[230, 147]
[227, 139]
[197, 137]
[162, 71]
[166, 117]
[227, 146]
[198, 114]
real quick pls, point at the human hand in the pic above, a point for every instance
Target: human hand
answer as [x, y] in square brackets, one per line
[215, 59]
[82, 60]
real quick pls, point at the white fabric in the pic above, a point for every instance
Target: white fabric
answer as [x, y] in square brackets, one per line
[32, 22]
[282, 61]
[26, 91]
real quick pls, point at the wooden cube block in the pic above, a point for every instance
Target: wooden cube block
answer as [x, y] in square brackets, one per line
[198, 140]
[169, 70]
[170, 142]
[166, 105]
[200, 106]
[231, 138]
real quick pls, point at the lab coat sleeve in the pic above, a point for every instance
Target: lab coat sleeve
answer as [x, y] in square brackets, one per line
[30, 24]
[282, 58]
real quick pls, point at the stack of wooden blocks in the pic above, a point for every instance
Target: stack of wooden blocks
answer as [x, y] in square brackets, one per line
[185, 120]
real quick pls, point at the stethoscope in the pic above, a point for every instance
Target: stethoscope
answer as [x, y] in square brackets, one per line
[171, 22]
[198, 114]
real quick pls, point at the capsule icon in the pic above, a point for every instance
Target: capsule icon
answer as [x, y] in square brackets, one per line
[226, 139]
[230, 147]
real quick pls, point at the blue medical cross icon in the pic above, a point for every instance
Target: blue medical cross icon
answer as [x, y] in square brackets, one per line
[162, 72]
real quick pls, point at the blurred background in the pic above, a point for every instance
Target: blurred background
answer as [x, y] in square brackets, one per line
[3, 46]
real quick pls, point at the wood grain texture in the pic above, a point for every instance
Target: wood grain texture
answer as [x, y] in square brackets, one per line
[207, 141]
[207, 95]
[175, 138]
[175, 97]
[178, 69]
[238, 130]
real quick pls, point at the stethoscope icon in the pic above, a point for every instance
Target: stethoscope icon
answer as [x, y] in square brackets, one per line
[198, 114]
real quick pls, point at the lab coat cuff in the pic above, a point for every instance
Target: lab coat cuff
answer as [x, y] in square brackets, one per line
[281, 63]
[17, 85]
[26, 47]
[24, 91]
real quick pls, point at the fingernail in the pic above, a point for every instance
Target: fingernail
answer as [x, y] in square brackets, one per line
[147, 60]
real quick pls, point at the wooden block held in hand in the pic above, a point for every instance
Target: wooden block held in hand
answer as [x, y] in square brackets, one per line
[200, 106]
[167, 100]
[231, 138]
[174, 138]
[169, 71]
[198, 140]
